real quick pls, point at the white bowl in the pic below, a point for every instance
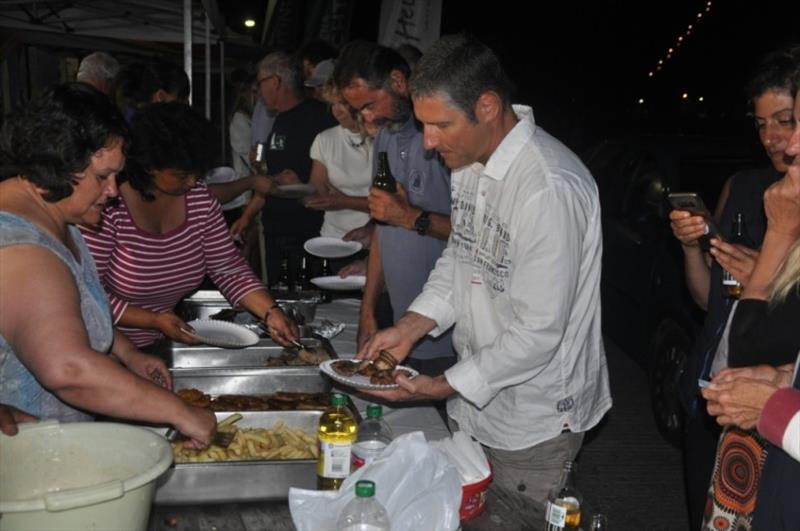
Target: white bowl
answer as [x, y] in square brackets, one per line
[80, 475]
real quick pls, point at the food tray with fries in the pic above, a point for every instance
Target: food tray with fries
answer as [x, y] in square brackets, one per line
[264, 354]
[272, 451]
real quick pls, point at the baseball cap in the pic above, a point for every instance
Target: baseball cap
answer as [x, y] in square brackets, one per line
[320, 74]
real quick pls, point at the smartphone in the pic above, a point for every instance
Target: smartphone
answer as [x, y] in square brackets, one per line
[691, 202]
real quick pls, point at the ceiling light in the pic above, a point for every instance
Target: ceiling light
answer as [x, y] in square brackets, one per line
[249, 23]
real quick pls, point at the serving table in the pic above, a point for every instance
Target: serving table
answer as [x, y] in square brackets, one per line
[504, 510]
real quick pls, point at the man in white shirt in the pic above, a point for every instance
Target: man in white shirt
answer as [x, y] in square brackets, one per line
[520, 277]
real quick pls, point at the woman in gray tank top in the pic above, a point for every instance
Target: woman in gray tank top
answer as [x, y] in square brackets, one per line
[60, 356]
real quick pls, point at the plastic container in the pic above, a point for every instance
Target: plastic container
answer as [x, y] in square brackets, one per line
[82, 475]
[337, 432]
[473, 498]
[373, 436]
[364, 512]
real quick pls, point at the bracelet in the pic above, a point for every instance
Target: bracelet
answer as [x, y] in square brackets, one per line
[269, 311]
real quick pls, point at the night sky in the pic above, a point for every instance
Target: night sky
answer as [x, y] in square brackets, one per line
[584, 66]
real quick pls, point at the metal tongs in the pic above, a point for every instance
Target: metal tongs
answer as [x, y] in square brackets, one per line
[223, 439]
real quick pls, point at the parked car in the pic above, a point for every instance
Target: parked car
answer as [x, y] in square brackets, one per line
[647, 309]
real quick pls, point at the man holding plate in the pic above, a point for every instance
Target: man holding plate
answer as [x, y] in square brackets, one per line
[520, 277]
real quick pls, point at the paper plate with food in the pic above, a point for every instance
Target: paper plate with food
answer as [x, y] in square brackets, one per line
[365, 374]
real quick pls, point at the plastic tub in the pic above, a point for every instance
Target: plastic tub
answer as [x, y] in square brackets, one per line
[82, 475]
[473, 498]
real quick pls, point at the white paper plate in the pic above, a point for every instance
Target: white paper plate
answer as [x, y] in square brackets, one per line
[325, 247]
[335, 282]
[294, 191]
[358, 381]
[222, 334]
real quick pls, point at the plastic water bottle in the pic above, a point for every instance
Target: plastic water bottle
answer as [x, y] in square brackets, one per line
[373, 436]
[364, 512]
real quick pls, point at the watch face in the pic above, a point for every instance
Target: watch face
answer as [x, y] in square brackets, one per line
[422, 223]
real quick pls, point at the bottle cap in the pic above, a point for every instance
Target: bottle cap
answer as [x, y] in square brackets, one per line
[374, 411]
[365, 488]
[338, 399]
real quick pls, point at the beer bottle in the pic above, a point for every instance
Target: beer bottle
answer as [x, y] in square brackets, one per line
[732, 287]
[327, 296]
[564, 503]
[301, 280]
[384, 178]
[283, 277]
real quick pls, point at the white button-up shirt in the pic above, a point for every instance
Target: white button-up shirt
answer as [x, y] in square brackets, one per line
[520, 278]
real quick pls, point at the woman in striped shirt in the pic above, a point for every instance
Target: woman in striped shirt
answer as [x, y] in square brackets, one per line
[167, 232]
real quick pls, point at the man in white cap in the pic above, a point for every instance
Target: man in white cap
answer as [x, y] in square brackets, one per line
[319, 76]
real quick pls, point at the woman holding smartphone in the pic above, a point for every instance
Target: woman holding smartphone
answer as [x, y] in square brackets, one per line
[771, 100]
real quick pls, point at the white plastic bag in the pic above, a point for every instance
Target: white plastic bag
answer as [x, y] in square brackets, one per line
[415, 482]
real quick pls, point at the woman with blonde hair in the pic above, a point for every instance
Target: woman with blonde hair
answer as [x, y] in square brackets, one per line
[764, 330]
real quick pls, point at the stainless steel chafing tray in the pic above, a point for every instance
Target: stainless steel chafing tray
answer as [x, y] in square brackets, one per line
[182, 356]
[250, 381]
[237, 481]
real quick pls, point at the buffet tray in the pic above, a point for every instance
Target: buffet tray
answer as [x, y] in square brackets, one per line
[251, 381]
[239, 481]
[182, 356]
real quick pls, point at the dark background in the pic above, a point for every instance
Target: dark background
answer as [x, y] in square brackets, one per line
[584, 66]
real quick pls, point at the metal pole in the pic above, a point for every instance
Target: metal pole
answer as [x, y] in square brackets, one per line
[208, 68]
[187, 43]
[222, 117]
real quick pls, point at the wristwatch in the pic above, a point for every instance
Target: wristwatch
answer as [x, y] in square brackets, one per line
[423, 223]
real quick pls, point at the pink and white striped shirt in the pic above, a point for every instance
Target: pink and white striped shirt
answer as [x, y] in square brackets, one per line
[155, 271]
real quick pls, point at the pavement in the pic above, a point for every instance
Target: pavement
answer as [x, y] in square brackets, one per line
[625, 469]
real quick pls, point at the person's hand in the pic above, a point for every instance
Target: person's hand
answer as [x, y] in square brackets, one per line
[173, 327]
[778, 376]
[281, 329]
[286, 176]
[356, 267]
[687, 228]
[150, 368]
[199, 425]
[736, 259]
[239, 227]
[419, 388]
[391, 339]
[367, 327]
[362, 235]
[263, 185]
[393, 209]
[10, 417]
[330, 199]
[738, 402]
[782, 205]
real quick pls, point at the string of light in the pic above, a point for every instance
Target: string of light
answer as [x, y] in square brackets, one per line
[680, 41]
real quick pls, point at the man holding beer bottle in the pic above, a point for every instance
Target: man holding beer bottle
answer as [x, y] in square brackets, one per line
[414, 220]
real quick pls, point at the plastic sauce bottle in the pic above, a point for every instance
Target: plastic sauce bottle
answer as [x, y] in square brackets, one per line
[373, 436]
[564, 503]
[364, 512]
[337, 433]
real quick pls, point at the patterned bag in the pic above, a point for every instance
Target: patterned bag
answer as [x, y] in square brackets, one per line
[734, 484]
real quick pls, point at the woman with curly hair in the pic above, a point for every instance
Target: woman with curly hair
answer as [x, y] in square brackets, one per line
[167, 232]
[60, 356]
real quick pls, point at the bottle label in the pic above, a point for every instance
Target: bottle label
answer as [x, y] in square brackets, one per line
[556, 516]
[335, 459]
[365, 452]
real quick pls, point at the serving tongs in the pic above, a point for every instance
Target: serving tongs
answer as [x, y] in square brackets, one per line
[223, 439]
